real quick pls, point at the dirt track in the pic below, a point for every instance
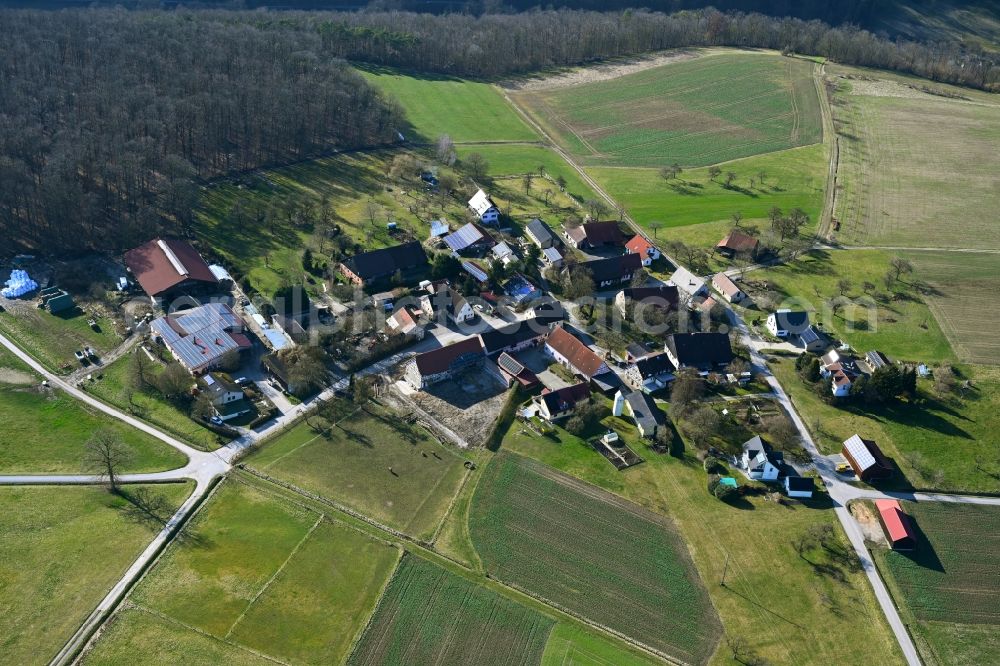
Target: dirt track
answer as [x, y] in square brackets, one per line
[600, 72]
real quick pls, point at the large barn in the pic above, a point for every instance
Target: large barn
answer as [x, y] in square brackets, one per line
[868, 461]
[168, 267]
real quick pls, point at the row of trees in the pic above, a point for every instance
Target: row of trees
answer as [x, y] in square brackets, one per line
[109, 119]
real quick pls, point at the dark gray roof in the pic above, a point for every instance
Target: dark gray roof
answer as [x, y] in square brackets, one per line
[794, 321]
[800, 483]
[613, 268]
[540, 230]
[700, 350]
[654, 365]
[498, 339]
[644, 410]
[375, 264]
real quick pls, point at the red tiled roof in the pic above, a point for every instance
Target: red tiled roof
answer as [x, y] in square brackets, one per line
[578, 354]
[896, 522]
[639, 245]
[439, 360]
[737, 241]
[156, 272]
[725, 284]
[562, 399]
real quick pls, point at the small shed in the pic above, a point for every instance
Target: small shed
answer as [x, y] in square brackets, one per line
[896, 525]
[799, 486]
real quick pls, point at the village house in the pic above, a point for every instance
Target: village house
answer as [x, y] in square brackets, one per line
[484, 208]
[841, 371]
[165, 268]
[539, 233]
[470, 240]
[591, 235]
[555, 405]
[613, 271]
[689, 284]
[801, 487]
[664, 297]
[702, 351]
[650, 373]
[896, 525]
[374, 266]
[226, 396]
[445, 303]
[567, 350]
[785, 322]
[552, 257]
[513, 337]
[867, 459]
[737, 242]
[404, 322]
[760, 461]
[203, 337]
[438, 365]
[649, 419]
[812, 340]
[503, 253]
[643, 247]
[725, 286]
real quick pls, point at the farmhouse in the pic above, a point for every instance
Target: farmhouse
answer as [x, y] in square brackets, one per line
[591, 235]
[896, 525]
[649, 419]
[469, 240]
[662, 296]
[503, 253]
[540, 234]
[565, 348]
[688, 283]
[650, 373]
[725, 286]
[760, 461]
[611, 272]
[704, 351]
[168, 267]
[513, 371]
[799, 486]
[438, 365]
[841, 371]
[642, 246]
[785, 322]
[373, 266]
[200, 338]
[444, 303]
[868, 461]
[226, 396]
[554, 405]
[513, 337]
[484, 208]
[737, 242]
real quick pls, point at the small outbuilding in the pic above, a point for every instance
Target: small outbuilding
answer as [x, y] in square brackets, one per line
[896, 525]
[799, 486]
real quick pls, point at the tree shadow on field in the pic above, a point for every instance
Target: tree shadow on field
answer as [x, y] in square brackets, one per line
[924, 554]
[144, 507]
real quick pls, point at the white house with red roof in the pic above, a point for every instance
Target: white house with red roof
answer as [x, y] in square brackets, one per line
[643, 247]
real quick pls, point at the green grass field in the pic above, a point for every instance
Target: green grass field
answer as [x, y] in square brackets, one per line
[517, 160]
[61, 550]
[257, 576]
[793, 179]
[46, 433]
[949, 586]
[464, 110]
[675, 112]
[52, 339]
[763, 567]
[150, 407]
[430, 616]
[352, 465]
[554, 536]
[571, 646]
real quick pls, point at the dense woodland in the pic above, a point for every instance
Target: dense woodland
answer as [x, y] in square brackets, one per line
[111, 119]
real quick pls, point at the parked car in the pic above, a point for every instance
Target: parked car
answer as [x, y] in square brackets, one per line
[844, 468]
[216, 420]
[91, 354]
[81, 357]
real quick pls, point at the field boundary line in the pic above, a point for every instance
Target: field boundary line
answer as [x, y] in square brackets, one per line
[281, 568]
[825, 225]
[378, 602]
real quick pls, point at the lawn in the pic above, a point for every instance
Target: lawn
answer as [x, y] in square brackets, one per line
[571, 646]
[464, 110]
[45, 432]
[948, 587]
[675, 112]
[519, 159]
[430, 616]
[149, 406]
[549, 534]
[793, 179]
[374, 462]
[255, 573]
[773, 599]
[935, 442]
[52, 339]
[904, 172]
[61, 550]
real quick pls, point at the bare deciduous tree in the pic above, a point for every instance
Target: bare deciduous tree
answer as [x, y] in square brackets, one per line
[106, 453]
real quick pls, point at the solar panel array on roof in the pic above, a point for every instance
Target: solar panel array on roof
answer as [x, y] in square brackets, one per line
[856, 446]
[465, 237]
[475, 271]
[510, 364]
[199, 337]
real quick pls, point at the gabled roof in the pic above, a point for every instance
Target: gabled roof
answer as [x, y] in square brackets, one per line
[160, 265]
[639, 244]
[810, 334]
[552, 255]
[687, 281]
[700, 349]
[877, 359]
[565, 398]
[514, 368]
[896, 522]
[654, 365]
[467, 236]
[481, 202]
[540, 231]
[404, 320]
[663, 294]
[199, 337]
[440, 360]
[374, 264]
[793, 321]
[737, 241]
[726, 285]
[597, 233]
[439, 228]
[501, 250]
[475, 270]
[613, 268]
[512, 334]
[645, 411]
[579, 355]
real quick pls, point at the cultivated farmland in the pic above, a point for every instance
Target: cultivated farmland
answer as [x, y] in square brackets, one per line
[601, 557]
[464, 110]
[430, 616]
[951, 583]
[257, 574]
[696, 112]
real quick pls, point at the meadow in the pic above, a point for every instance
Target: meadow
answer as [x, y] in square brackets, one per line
[752, 543]
[262, 577]
[515, 160]
[554, 536]
[904, 171]
[371, 461]
[948, 587]
[52, 339]
[61, 550]
[430, 616]
[45, 432]
[675, 112]
[464, 110]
